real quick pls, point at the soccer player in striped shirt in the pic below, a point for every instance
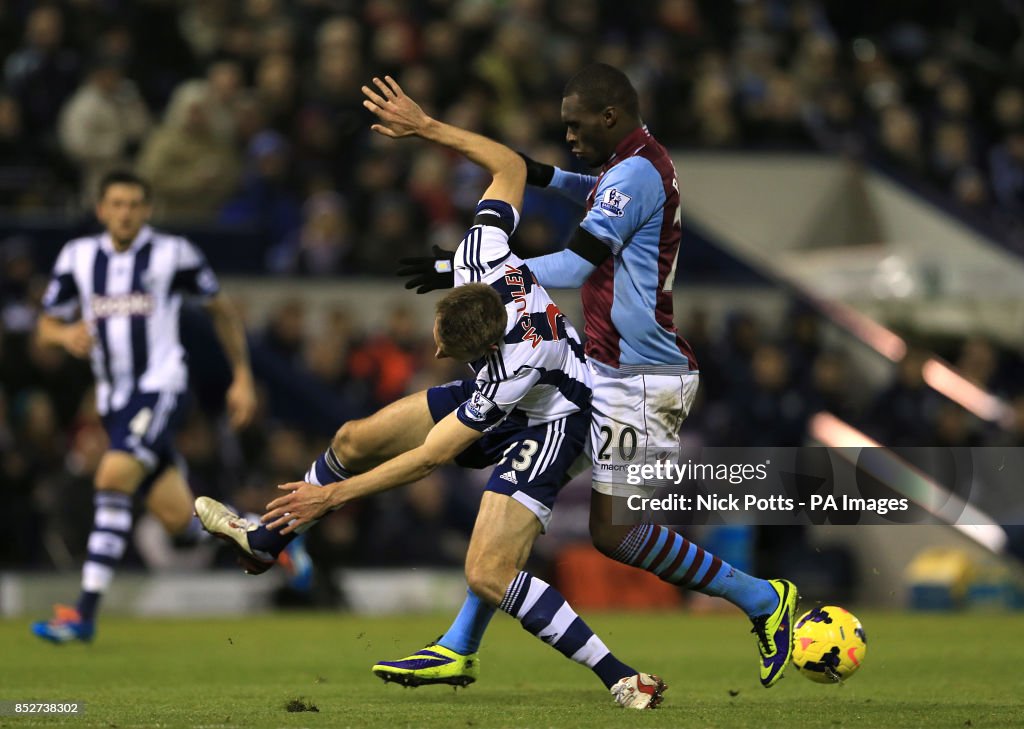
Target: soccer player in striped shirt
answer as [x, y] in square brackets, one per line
[623, 258]
[526, 412]
[115, 298]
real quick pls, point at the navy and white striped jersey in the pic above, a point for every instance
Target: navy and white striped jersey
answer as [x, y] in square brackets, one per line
[131, 301]
[539, 371]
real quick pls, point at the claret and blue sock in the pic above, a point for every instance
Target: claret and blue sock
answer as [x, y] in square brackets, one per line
[678, 561]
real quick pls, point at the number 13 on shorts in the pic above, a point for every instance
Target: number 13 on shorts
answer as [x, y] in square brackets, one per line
[524, 457]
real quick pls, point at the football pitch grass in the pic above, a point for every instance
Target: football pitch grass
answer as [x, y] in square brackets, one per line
[927, 671]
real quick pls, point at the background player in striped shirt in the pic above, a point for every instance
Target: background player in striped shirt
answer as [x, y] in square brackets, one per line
[623, 257]
[116, 298]
[526, 412]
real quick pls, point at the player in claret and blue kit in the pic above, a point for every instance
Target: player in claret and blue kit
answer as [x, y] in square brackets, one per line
[623, 257]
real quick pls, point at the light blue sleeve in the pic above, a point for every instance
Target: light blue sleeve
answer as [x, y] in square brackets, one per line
[629, 194]
[572, 185]
[563, 270]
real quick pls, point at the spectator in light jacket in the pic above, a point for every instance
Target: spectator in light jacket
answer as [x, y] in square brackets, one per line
[192, 169]
[102, 124]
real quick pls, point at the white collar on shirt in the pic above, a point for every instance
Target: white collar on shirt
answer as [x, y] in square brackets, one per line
[137, 242]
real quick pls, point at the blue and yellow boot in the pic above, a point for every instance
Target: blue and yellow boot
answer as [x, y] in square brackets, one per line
[433, 664]
[775, 633]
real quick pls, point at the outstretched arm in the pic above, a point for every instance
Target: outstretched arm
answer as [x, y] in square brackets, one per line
[400, 116]
[306, 503]
[572, 185]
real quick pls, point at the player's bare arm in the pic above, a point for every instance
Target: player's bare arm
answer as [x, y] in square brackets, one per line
[306, 503]
[75, 337]
[241, 395]
[400, 116]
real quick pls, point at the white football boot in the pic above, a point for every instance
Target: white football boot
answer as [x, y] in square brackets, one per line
[226, 525]
[641, 691]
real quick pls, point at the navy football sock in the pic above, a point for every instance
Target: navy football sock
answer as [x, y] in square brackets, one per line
[543, 611]
[325, 470]
[112, 525]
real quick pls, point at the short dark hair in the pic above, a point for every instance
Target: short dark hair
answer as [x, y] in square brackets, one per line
[123, 177]
[599, 86]
[470, 319]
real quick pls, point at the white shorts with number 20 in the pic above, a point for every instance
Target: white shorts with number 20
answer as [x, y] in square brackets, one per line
[636, 419]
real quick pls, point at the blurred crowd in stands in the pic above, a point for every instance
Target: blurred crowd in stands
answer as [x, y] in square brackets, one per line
[248, 112]
[761, 382]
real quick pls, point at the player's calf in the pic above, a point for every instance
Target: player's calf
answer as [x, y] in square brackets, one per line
[170, 500]
[605, 536]
[394, 429]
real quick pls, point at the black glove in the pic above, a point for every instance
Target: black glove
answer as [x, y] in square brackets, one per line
[538, 174]
[429, 272]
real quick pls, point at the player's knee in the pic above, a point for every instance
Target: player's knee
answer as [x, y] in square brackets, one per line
[480, 582]
[115, 479]
[488, 579]
[344, 444]
[350, 446]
